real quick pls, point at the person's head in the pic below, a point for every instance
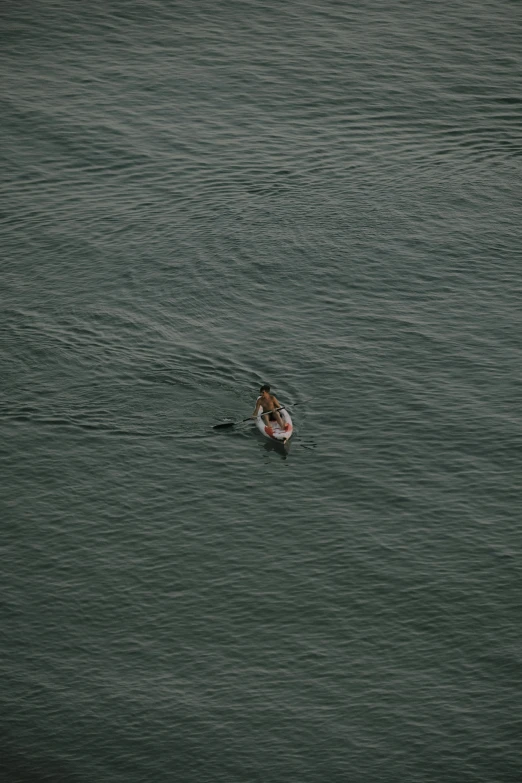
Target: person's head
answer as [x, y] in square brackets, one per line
[265, 388]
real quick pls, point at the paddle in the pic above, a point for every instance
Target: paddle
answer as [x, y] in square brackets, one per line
[233, 423]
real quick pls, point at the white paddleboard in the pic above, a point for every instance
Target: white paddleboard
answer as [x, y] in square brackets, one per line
[273, 431]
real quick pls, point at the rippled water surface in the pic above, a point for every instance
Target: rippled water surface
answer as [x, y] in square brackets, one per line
[198, 198]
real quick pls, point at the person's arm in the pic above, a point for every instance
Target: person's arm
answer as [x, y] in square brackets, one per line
[258, 405]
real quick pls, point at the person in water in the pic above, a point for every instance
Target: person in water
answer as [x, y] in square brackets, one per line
[269, 403]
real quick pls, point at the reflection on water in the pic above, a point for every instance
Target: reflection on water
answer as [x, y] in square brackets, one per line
[283, 449]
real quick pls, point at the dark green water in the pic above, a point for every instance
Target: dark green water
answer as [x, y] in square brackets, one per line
[196, 199]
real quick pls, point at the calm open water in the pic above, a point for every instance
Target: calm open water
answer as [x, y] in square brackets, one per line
[197, 198]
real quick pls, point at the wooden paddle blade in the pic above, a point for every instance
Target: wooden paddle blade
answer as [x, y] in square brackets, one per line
[224, 424]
